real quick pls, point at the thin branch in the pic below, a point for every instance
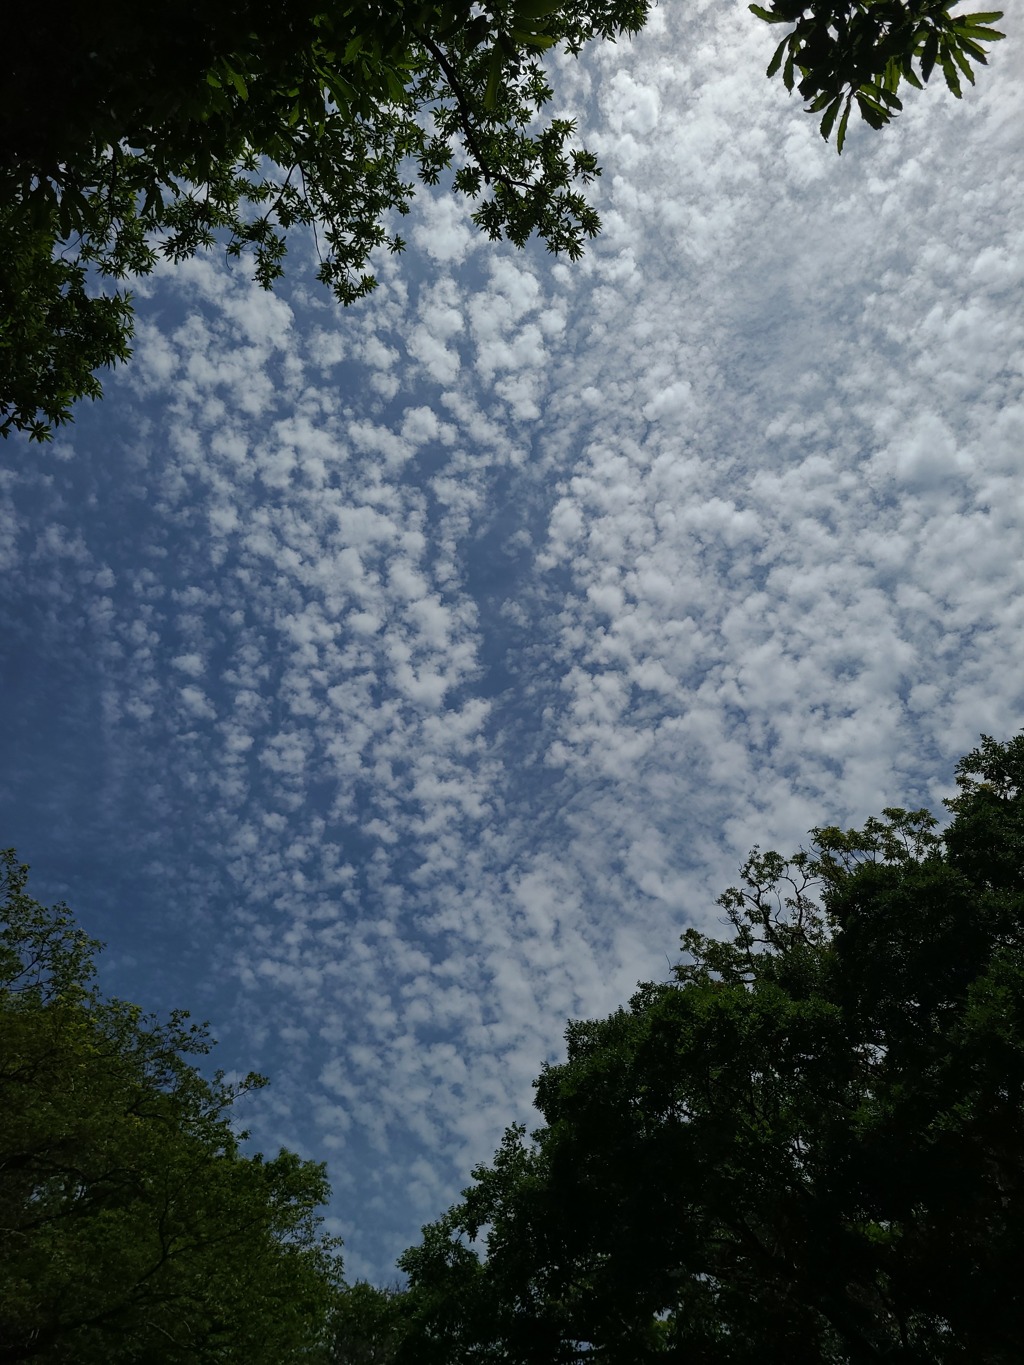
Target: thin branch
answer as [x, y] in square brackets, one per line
[466, 117]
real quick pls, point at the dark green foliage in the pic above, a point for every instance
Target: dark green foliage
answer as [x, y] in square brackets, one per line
[54, 334]
[129, 132]
[808, 1147]
[366, 1326]
[132, 1227]
[842, 53]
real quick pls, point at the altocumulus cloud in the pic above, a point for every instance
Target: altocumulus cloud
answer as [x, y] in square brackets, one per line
[390, 686]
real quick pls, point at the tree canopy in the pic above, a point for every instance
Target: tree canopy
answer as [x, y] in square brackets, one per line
[367, 1325]
[132, 1226]
[808, 1146]
[130, 132]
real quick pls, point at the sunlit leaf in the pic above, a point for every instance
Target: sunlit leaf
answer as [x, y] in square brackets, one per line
[991, 35]
[949, 71]
[962, 63]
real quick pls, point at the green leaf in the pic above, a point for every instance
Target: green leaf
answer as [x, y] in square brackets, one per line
[843, 122]
[768, 15]
[991, 35]
[236, 80]
[978, 53]
[776, 61]
[494, 79]
[533, 9]
[787, 72]
[540, 41]
[988, 17]
[475, 32]
[154, 199]
[911, 76]
[882, 96]
[828, 122]
[929, 55]
[949, 71]
[872, 113]
[962, 63]
[396, 87]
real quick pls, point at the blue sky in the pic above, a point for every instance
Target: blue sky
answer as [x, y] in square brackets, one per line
[389, 685]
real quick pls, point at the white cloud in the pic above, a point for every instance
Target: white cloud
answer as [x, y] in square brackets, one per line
[192, 664]
[441, 231]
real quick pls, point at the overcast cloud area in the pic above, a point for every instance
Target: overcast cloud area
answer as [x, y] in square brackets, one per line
[388, 686]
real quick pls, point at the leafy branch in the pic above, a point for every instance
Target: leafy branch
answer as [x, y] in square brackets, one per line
[858, 52]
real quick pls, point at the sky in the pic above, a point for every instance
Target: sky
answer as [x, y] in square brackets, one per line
[389, 685]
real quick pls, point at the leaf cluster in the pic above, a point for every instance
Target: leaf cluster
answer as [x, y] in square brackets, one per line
[842, 53]
[366, 1325]
[132, 1225]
